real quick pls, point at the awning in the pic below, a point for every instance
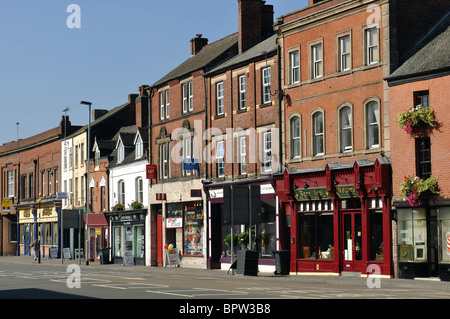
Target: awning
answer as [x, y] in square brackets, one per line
[96, 220]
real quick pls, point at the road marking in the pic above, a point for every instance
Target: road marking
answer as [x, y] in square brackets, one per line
[197, 292]
[130, 286]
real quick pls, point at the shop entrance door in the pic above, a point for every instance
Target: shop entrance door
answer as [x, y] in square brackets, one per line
[351, 240]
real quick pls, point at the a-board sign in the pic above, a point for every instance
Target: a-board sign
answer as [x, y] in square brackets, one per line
[173, 258]
[128, 258]
[53, 252]
[77, 253]
[66, 253]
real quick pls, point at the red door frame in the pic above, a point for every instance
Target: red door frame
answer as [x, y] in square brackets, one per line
[353, 264]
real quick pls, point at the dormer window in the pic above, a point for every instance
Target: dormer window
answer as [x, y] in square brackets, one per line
[120, 152]
[139, 144]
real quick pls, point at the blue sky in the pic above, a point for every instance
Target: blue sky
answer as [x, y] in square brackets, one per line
[46, 67]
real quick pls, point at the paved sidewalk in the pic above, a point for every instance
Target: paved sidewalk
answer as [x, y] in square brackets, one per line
[344, 279]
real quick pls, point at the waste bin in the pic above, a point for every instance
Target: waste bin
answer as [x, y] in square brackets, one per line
[105, 256]
[282, 260]
[247, 263]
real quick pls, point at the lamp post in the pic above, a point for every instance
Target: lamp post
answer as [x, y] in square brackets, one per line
[87, 180]
[62, 217]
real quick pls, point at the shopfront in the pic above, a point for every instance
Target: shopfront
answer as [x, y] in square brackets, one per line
[423, 235]
[265, 235]
[98, 230]
[38, 221]
[339, 218]
[128, 236]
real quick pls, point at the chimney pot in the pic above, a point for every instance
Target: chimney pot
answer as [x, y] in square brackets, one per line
[198, 43]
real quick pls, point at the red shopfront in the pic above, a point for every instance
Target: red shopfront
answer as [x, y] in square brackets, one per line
[339, 217]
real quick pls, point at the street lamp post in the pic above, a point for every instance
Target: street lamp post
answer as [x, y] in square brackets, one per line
[62, 217]
[87, 180]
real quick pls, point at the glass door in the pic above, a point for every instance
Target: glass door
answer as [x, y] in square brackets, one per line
[351, 241]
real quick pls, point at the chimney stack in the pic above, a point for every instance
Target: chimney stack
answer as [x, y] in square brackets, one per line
[255, 23]
[197, 44]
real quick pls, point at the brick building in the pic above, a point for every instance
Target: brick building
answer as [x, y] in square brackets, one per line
[422, 231]
[336, 191]
[30, 180]
[243, 117]
[178, 120]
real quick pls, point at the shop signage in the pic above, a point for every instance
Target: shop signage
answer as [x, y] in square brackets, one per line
[53, 252]
[6, 205]
[347, 191]
[311, 194]
[151, 171]
[173, 258]
[67, 253]
[190, 164]
[128, 258]
[174, 222]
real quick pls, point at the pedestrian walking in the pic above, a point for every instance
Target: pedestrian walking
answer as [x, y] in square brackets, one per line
[36, 248]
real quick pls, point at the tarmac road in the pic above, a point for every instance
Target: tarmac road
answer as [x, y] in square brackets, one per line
[23, 278]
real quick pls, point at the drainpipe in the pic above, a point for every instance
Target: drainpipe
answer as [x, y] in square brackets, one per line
[280, 100]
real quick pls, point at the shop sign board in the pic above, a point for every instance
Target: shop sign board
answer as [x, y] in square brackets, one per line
[173, 258]
[6, 205]
[128, 258]
[311, 194]
[347, 191]
[67, 254]
[151, 171]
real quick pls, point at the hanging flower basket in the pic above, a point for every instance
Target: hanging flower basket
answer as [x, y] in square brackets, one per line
[417, 121]
[415, 189]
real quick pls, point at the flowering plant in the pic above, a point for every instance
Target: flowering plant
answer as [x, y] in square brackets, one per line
[136, 205]
[117, 207]
[417, 120]
[415, 188]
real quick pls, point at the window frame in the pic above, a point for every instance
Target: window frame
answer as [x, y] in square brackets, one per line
[317, 135]
[314, 61]
[139, 189]
[242, 155]
[242, 91]
[220, 107]
[368, 46]
[267, 152]
[368, 125]
[266, 85]
[340, 54]
[10, 183]
[220, 155]
[348, 128]
[121, 192]
[295, 138]
[188, 96]
[294, 66]
[422, 163]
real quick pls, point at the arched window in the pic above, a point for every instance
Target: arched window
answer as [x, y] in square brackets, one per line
[139, 190]
[345, 115]
[318, 134]
[295, 137]
[373, 124]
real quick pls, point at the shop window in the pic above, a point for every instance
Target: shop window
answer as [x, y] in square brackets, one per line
[47, 234]
[263, 233]
[376, 235]
[444, 230]
[118, 241]
[139, 239]
[193, 229]
[316, 231]
[412, 235]
[55, 234]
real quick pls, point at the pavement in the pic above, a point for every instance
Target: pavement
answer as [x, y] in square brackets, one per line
[347, 279]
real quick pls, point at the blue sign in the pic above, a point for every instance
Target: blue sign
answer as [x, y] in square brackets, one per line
[190, 164]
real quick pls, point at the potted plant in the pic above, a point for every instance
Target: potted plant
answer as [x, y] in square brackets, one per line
[415, 189]
[117, 207]
[136, 205]
[417, 121]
